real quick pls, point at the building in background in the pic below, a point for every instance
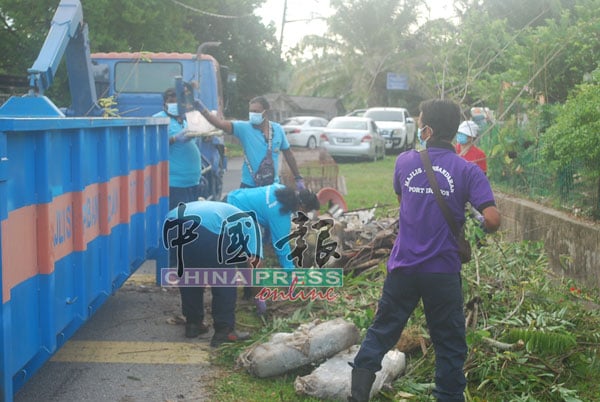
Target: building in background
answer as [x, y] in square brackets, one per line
[284, 106]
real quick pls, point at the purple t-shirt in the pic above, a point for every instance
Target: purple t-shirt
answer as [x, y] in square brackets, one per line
[425, 242]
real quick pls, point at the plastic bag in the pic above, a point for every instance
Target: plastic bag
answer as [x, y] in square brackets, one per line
[332, 379]
[310, 343]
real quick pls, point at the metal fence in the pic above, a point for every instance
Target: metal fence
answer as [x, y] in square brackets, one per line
[515, 166]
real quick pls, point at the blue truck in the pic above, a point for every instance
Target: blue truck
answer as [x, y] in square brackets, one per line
[135, 81]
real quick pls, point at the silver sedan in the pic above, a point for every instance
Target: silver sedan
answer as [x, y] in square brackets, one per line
[353, 137]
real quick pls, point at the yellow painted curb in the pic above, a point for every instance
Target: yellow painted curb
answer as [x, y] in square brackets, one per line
[142, 279]
[133, 352]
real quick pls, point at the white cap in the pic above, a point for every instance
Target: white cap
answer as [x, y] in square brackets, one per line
[469, 128]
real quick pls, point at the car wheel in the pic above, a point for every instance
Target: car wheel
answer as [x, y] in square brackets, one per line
[312, 143]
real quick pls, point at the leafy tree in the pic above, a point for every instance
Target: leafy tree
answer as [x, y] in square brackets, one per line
[574, 137]
[153, 25]
[365, 40]
[248, 48]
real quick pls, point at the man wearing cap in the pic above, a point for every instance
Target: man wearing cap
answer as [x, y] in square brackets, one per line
[467, 132]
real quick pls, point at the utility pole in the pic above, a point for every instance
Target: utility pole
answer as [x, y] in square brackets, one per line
[283, 21]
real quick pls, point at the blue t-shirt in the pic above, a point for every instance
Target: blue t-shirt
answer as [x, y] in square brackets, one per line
[255, 147]
[262, 201]
[185, 168]
[224, 219]
[425, 242]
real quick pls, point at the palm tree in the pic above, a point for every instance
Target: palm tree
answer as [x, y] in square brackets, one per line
[365, 40]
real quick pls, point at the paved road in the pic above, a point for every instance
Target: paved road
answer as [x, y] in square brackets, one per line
[132, 349]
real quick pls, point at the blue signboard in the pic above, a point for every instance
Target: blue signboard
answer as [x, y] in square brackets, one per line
[397, 81]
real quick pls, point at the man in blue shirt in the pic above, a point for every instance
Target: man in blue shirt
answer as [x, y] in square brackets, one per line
[274, 207]
[208, 232]
[254, 135]
[424, 263]
[185, 162]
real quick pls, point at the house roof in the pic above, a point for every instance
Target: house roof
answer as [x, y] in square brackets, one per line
[305, 105]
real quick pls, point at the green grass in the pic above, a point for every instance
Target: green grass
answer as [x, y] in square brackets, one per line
[369, 184]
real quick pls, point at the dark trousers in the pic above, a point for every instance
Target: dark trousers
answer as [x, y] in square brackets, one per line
[443, 305]
[182, 194]
[202, 253]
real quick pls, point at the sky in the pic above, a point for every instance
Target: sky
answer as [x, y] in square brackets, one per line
[306, 17]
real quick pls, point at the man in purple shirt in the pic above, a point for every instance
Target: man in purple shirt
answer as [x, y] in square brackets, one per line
[424, 263]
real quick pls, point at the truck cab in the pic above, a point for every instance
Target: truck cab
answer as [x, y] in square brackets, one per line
[136, 80]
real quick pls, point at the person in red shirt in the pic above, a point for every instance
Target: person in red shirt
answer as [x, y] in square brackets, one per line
[467, 132]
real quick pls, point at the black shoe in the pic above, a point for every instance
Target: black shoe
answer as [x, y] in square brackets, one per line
[362, 381]
[194, 329]
[228, 336]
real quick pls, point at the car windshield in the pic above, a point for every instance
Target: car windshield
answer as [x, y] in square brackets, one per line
[348, 124]
[294, 121]
[384, 115]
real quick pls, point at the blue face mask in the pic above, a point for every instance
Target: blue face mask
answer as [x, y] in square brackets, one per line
[462, 138]
[172, 109]
[255, 118]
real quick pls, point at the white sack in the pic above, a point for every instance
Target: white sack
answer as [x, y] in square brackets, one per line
[310, 343]
[332, 379]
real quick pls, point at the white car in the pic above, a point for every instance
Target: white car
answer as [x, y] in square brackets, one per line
[304, 131]
[353, 137]
[395, 125]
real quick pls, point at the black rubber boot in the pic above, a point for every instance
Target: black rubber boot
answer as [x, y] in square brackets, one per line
[362, 380]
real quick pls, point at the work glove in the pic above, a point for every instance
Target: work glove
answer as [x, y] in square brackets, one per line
[479, 218]
[300, 183]
[261, 306]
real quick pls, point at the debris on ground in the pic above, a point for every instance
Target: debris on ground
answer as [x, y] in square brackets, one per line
[310, 343]
[331, 380]
[362, 241]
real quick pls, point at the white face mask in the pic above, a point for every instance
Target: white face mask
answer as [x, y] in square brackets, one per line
[172, 109]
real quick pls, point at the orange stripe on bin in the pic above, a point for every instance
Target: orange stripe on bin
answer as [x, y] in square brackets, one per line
[163, 168]
[19, 248]
[139, 191]
[124, 193]
[36, 236]
[155, 180]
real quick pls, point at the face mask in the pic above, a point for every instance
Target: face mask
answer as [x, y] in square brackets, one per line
[172, 109]
[255, 118]
[421, 140]
[461, 138]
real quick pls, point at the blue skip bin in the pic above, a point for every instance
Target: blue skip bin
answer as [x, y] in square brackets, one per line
[81, 201]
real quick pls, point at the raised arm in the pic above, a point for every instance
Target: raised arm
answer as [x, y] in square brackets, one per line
[215, 120]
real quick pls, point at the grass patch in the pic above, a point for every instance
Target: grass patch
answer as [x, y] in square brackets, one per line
[369, 184]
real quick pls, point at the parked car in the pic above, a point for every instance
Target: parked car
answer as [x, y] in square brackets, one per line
[356, 137]
[304, 131]
[395, 125]
[357, 112]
